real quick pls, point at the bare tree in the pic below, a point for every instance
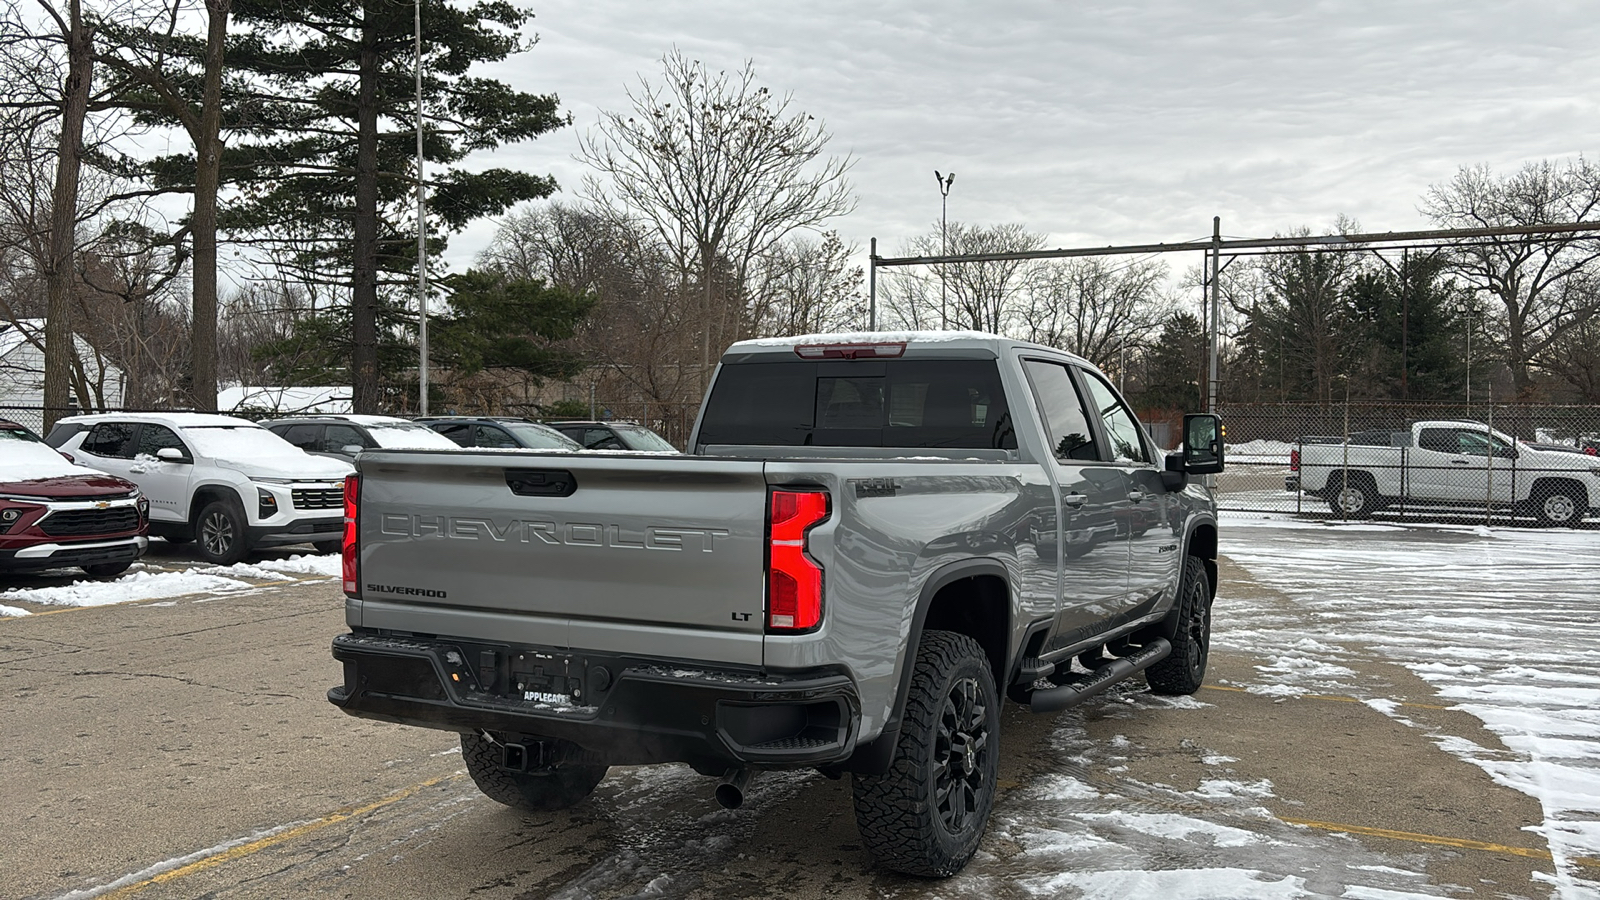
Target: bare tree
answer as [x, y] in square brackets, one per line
[982, 295]
[1095, 307]
[721, 169]
[806, 286]
[1532, 278]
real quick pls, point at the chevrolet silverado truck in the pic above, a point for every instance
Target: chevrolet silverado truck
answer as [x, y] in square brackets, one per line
[872, 539]
[1444, 464]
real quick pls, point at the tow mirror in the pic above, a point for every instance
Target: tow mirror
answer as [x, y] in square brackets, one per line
[1202, 444]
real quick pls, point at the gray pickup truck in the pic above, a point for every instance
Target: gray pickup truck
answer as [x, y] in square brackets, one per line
[871, 538]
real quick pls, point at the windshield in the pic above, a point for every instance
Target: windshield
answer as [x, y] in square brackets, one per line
[541, 437]
[241, 442]
[640, 438]
[17, 433]
[406, 436]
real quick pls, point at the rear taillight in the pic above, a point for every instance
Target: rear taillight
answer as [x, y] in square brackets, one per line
[350, 550]
[1294, 460]
[794, 582]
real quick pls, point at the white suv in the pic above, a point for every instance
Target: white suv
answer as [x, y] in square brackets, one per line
[229, 482]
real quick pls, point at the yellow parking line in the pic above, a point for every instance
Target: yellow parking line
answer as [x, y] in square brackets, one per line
[256, 846]
[1459, 843]
[1333, 697]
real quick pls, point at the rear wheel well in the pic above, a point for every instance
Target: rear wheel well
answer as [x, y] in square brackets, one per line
[979, 607]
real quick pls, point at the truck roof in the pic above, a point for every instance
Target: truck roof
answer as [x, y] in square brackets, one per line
[966, 341]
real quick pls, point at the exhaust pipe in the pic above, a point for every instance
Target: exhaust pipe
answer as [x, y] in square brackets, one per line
[730, 790]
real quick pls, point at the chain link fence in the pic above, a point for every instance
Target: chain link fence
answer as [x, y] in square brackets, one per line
[1505, 463]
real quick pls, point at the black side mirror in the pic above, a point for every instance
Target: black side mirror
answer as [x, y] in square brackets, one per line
[1202, 444]
[1174, 477]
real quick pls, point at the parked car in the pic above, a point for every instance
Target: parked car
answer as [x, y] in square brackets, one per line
[615, 436]
[343, 436]
[227, 482]
[54, 513]
[499, 431]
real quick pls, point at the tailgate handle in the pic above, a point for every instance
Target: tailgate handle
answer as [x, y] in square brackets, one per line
[541, 482]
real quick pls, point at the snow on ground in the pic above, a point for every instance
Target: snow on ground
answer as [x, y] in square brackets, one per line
[1260, 451]
[1500, 621]
[144, 582]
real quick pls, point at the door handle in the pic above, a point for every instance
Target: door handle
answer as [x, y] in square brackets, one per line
[1136, 496]
[1459, 462]
[1075, 501]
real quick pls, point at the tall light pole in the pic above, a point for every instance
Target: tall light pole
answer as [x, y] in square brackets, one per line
[944, 182]
[422, 237]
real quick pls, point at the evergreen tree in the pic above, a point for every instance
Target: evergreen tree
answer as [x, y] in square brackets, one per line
[1414, 339]
[1172, 366]
[327, 170]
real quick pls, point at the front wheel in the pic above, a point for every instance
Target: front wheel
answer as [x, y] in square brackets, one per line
[1183, 671]
[926, 815]
[1559, 504]
[221, 532]
[557, 787]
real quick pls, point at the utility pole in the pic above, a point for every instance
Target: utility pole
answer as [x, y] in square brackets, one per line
[944, 182]
[422, 237]
[1216, 313]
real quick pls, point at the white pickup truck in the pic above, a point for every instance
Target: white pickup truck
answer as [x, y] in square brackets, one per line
[1447, 463]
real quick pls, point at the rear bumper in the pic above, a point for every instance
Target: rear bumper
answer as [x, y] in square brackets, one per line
[59, 554]
[622, 710]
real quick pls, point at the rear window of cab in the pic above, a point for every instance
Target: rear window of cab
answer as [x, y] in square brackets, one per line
[859, 403]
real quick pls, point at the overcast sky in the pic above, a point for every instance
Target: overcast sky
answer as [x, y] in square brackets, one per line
[1108, 122]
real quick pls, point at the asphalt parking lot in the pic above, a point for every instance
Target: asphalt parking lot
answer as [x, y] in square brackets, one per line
[183, 748]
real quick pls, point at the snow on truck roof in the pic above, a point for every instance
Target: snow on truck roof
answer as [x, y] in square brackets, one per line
[909, 338]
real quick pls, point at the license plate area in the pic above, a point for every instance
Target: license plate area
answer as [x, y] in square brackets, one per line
[555, 679]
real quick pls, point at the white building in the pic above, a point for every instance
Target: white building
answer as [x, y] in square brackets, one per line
[22, 369]
[284, 401]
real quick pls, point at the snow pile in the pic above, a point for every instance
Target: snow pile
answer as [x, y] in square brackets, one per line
[141, 584]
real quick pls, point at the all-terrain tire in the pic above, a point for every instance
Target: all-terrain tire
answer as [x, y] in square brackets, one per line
[555, 788]
[107, 570]
[1355, 498]
[1185, 669]
[926, 815]
[1557, 503]
[220, 530]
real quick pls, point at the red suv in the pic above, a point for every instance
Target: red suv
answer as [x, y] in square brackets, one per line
[55, 514]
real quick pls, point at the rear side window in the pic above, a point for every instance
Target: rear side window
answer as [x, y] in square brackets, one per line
[868, 403]
[306, 437]
[111, 440]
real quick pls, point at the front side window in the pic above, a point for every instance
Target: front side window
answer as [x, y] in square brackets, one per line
[113, 440]
[490, 436]
[153, 438]
[1478, 443]
[1121, 428]
[1065, 419]
[337, 437]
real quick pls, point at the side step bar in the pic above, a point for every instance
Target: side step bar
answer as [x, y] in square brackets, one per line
[1082, 687]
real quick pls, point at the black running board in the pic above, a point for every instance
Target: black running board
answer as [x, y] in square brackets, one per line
[1082, 687]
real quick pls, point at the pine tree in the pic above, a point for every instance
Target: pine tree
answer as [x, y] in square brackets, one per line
[326, 167]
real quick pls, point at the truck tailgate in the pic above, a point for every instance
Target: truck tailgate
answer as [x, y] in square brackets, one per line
[583, 541]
